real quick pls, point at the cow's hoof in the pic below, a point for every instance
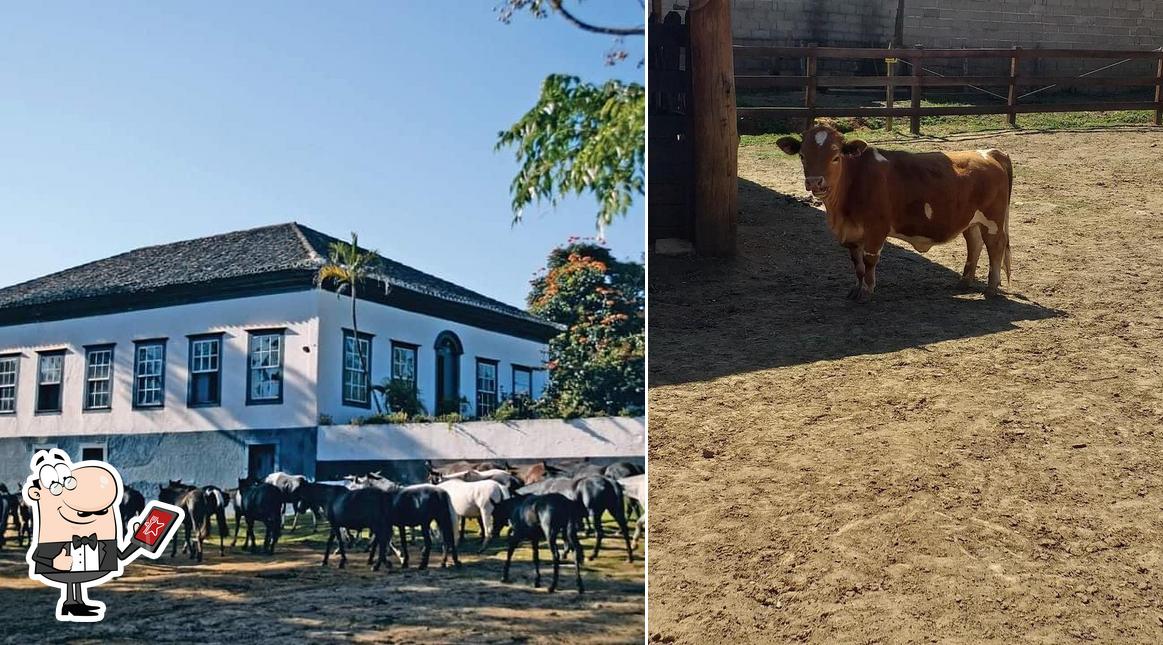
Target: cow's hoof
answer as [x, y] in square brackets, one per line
[863, 295]
[854, 293]
[992, 293]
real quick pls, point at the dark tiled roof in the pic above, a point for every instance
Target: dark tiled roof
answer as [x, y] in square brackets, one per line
[240, 254]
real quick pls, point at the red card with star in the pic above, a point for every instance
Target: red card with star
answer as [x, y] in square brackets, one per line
[156, 524]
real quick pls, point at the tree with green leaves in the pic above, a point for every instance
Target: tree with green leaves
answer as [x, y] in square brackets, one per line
[579, 137]
[597, 366]
[346, 266]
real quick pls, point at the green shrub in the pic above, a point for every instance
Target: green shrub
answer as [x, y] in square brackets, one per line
[515, 407]
[403, 397]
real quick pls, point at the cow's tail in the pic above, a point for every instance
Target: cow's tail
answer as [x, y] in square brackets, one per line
[1006, 223]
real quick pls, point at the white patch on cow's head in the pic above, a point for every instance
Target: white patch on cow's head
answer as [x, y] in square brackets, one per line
[928, 211]
[879, 157]
[821, 137]
[985, 153]
[980, 218]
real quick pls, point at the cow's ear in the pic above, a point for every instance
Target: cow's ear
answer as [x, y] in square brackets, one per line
[854, 147]
[789, 145]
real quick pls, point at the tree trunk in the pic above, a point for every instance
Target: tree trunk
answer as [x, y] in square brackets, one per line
[359, 348]
[716, 135]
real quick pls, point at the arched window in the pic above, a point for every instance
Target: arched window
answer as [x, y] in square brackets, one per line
[448, 352]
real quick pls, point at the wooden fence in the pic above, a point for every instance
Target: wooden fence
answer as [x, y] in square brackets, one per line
[917, 80]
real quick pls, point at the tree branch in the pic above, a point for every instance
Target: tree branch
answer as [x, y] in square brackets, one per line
[597, 29]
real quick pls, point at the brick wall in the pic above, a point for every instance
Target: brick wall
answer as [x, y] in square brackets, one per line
[1072, 24]
[1094, 24]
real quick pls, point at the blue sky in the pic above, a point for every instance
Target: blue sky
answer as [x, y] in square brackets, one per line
[126, 124]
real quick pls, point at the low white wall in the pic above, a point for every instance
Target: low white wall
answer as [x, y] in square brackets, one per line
[534, 439]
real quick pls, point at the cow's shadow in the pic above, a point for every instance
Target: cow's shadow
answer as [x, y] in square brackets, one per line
[782, 302]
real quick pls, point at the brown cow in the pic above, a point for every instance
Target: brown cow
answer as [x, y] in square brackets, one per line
[922, 198]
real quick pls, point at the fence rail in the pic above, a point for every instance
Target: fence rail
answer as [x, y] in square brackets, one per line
[918, 79]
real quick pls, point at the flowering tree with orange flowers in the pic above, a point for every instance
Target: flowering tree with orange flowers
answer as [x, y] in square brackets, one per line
[597, 366]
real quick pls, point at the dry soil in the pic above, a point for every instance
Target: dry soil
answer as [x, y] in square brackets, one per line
[929, 466]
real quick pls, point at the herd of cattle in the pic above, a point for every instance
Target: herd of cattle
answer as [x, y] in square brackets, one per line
[541, 502]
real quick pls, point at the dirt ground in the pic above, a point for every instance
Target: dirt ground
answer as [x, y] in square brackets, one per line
[290, 598]
[930, 466]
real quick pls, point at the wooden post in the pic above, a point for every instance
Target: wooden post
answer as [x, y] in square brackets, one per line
[915, 119]
[714, 128]
[889, 91]
[656, 10]
[1159, 92]
[1012, 99]
[810, 89]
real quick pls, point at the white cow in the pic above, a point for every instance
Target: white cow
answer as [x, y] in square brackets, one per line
[290, 484]
[635, 488]
[475, 499]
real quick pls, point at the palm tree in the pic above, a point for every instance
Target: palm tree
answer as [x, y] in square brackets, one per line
[346, 266]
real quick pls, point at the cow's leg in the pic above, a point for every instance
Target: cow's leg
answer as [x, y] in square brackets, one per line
[237, 521]
[513, 542]
[596, 518]
[973, 244]
[486, 528]
[331, 537]
[403, 547]
[553, 553]
[426, 533]
[873, 243]
[857, 255]
[995, 246]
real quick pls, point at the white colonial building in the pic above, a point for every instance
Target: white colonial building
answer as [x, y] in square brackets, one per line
[215, 358]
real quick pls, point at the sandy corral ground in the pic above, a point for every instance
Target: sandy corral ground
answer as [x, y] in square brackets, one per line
[930, 466]
[244, 598]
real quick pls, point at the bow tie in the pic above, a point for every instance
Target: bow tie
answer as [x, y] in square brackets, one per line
[89, 540]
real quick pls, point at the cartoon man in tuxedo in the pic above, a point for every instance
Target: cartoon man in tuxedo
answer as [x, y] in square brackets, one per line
[76, 537]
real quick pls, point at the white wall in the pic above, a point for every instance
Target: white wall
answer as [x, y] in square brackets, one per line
[388, 324]
[536, 439]
[295, 311]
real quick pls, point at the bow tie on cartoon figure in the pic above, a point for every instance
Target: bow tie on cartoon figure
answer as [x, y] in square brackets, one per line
[77, 531]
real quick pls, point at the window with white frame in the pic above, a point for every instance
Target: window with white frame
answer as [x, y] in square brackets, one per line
[99, 377]
[205, 371]
[404, 363]
[9, 366]
[93, 451]
[486, 387]
[49, 381]
[522, 381]
[357, 360]
[264, 377]
[149, 374]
